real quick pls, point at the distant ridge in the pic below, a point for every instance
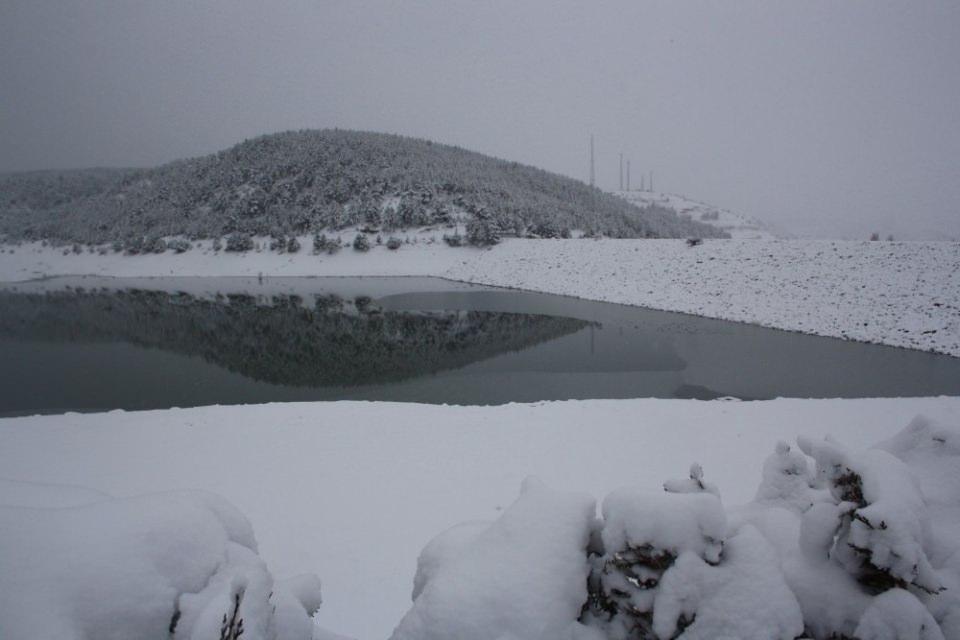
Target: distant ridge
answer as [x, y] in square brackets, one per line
[299, 182]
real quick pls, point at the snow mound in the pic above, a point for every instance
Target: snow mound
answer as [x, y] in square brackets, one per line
[172, 565]
[522, 576]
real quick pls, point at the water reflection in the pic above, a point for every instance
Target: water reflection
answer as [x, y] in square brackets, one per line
[284, 340]
[88, 343]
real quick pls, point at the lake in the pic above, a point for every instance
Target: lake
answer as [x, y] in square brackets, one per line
[95, 344]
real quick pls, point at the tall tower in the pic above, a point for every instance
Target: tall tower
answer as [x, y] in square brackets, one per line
[628, 175]
[621, 172]
[593, 175]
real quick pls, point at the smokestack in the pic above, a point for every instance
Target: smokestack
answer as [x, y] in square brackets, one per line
[621, 172]
[592, 172]
[628, 175]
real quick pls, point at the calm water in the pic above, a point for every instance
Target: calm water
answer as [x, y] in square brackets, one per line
[93, 344]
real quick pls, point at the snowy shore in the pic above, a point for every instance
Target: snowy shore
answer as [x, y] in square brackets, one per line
[904, 294]
[352, 491]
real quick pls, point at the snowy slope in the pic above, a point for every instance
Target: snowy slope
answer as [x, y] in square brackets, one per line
[352, 491]
[738, 226]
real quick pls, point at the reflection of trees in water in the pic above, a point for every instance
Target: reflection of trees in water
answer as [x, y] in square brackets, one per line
[281, 342]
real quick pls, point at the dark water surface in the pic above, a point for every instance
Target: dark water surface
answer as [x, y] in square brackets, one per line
[94, 344]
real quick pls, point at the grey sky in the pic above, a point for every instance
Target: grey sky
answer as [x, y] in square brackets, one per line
[826, 118]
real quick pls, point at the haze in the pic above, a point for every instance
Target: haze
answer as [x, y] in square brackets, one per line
[825, 119]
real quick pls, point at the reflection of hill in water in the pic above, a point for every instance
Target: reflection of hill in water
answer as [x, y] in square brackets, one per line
[283, 342]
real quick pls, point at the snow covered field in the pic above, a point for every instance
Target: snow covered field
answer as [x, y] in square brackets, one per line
[352, 491]
[904, 294]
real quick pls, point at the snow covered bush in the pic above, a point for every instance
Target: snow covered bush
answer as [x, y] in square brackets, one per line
[522, 576]
[837, 544]
[882, 528]
[360, 243]
[323, 244]
[166, 566]
[238, 242]
[179, 245]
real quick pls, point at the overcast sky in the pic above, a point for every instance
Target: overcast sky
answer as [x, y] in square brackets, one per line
[825, 118]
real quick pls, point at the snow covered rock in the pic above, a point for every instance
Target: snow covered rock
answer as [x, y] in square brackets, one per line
[521, 578]
[174, 565]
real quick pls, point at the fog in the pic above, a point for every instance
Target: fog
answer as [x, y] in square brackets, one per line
[825, 119]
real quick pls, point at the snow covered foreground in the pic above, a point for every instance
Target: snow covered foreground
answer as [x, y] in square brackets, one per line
[904, 294]
[352, 491]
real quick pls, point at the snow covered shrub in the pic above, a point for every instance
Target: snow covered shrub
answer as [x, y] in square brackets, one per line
[133, 246]
[897, 615]
[172, 565]
[520, 577]
[455, 240]
[883, 527]
[788, 480]
[360, 243]
[644, 533]
[179, 245]
[323, 244]
[239, 242]
[293, 245]
[217, 244]
[394, 243]
[154, 244]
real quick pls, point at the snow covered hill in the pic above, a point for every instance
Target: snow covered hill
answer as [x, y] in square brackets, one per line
[738, 226]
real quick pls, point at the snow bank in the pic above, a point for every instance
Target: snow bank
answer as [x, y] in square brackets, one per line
[905, 294]
[172, 565]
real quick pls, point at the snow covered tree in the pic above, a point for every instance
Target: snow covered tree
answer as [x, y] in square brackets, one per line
[360, 243]
[483, 230]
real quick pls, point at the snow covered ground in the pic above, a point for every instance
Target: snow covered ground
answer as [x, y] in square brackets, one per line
[738, 226]
[352, 491]
[904, 294]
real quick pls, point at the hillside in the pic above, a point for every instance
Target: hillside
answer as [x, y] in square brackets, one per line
[307, 181]
[737, 226]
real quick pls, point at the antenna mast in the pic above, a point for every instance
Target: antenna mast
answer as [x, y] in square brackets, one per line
[593, 174]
